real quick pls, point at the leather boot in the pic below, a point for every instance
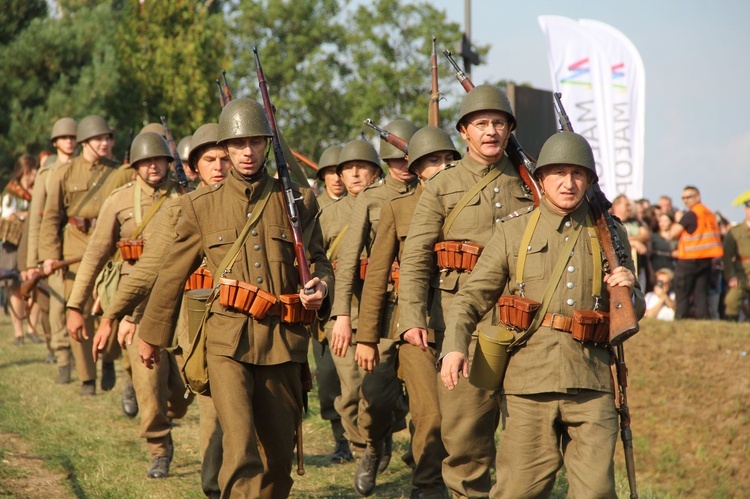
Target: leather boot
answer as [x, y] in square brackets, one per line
[367, 471]
[108, 376]
[63, 375]
[129, 402]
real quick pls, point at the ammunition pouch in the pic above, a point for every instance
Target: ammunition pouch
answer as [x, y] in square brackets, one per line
[82, 224]
[586, 326]
[200, 279]
[516, 313]
[131, 249]
[457, 255]
[258, 304]
[363, 268]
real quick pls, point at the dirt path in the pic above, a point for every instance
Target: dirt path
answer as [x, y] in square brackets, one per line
[23, 475]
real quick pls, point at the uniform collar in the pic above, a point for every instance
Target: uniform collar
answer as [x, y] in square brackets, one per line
[477, 168]
[399, 186]
[160, 189]
[556, 219]
[248, 189]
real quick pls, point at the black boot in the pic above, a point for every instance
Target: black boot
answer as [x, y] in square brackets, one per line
[129, 402]
[108, 376]
[364, 477]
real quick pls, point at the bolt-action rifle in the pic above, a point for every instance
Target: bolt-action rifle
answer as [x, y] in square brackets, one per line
[623, 322]
[522, 161]
[29, 284]
[433, 112]
[225, 95]
[179, 169]
[392, 139]
[126, 161]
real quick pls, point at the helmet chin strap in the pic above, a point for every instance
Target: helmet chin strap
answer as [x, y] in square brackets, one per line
[477, 152]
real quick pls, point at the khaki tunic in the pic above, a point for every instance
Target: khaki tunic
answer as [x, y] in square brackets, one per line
[325, 199]
[36, 208]
[736, 264]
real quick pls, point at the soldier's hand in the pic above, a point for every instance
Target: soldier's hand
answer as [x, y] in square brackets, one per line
[313, 301]
[733, 282]
[341, 336]
[416, 336]
[47, 266]
[148, 353]
[101, 338]
[75, 325]
[620, 276]
[125, 333]
[453, 363]
[367, 356]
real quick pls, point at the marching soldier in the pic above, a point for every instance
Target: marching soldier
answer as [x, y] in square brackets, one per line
[359, 237]
[458, 212]
[334, 187]
[254, 359]
[737, 266]
[558, 385]
[430, 149]
[75, 193]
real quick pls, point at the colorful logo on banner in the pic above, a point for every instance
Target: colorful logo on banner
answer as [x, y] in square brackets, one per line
[579, 74]
[618, 77]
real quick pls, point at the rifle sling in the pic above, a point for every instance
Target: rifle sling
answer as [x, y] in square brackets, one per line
[491, 175]
[96, 185]
[333, 250]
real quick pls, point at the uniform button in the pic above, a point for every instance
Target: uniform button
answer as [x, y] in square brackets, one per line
[220, 238]
[570, 285]
[496, 189]
[75, 188]
[497, 220]
[259, 280]
[216, 186]
[130, 214]
[94, 184]
[571, 253]
[567, 224]
[257, 265]
[566, 239]
[255, 233]
[441, 281]
[283, 236]
[498, 205]
[571, 269]
[250, 214]
[528, 248]
[256, 247]
[571, 302]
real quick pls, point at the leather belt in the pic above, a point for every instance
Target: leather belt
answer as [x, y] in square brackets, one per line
[558, 322]
[82, 224]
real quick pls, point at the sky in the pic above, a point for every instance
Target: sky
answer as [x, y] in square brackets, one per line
[697, 67]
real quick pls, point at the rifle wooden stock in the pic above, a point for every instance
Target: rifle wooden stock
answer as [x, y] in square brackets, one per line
[522, 161]
[305, 160]
[28, 285]
[284, 179]
[433, 112]
[626, 434]
[126, 161]
[179, 169]
[392, 139]
[225, 87]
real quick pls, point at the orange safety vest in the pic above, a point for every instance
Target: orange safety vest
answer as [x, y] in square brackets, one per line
[705, 242]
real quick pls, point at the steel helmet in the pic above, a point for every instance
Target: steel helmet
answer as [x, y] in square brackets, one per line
[154, 127]
[149, 145]
[205, 135]
[90, 127]
[329, 159]
[428, 140]
[403, 129]
[486, 98]
[567, 148]
[243, 118]
[64, 127]
[358, 150]
[183, 148]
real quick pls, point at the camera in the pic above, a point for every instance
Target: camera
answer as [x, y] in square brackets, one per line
[659, 284]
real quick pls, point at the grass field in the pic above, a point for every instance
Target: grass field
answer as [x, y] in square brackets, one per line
[689, 395]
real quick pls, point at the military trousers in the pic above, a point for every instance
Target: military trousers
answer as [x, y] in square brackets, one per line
[329, 386]
[259, 408]
[469, 419]
[210, 435]
[161, 397]
[542, 432]
[736, 297]
[42, 298]
[367, 400]
[417, 370]
[61, 342]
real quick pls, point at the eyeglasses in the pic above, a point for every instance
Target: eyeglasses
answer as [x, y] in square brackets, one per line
[482, 125]
[688, 196]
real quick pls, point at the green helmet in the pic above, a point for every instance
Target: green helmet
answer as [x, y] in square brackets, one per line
[567, 148]
[148, 145]
[428, 140]
[183, 148]
[155, 128]
[90, 127]
[205, 135]
[243, 118]
[358, 150]
[64, 127]
[486, 98]
[403, 129]
[329, 159]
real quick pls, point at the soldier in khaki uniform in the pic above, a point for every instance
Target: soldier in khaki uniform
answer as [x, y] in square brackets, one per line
[430, 149]
[375, 402]
[127, 215]
[63, 138]
[556, 388]
[736, 266]
[358, 167]
[75, 193]
[334, 187]
[254, 365]
[211, 164]
[462, 204]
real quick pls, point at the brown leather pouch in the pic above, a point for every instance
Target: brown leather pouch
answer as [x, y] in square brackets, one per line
[228, 291]
[469, 255]
[292, 311]
[588, 326]
[363, 268]
[130, 249]
[245, 296]
[200, 279]
[516, 312]
[262, 304]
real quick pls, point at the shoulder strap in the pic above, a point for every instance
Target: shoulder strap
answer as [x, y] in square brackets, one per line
[492, 175]
[333, 249]
[149, 215]
[95, 188]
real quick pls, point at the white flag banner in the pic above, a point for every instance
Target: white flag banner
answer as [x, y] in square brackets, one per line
[628, 98]
[580, 73]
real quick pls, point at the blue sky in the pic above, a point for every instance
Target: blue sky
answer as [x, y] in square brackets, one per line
[697, 81]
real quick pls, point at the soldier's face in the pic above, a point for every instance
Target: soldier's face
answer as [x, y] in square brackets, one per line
[429, 165]
[486, 133]
[247, 154]
[213, 165]
[399, 169]
[357, 175]
[66, 144]
[152, 170]
[98, 145]
[334, 185]
[565, 185]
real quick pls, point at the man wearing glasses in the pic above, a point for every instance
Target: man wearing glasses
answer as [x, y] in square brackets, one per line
[459, 210]
[699, 243]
